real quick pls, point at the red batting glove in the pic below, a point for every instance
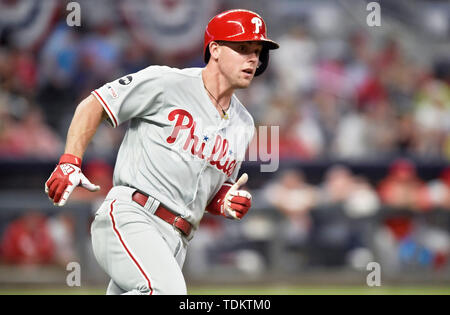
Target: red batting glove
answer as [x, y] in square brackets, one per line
[66, 176]
[231, 202]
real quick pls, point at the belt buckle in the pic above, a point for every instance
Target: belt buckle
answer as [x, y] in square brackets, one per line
[175, 221]
[178, 217]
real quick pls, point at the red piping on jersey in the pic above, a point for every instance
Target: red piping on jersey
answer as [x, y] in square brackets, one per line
[106, 106]
[126, 248]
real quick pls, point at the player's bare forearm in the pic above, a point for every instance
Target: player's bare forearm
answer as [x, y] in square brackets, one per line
[67, 174]
[88, 116]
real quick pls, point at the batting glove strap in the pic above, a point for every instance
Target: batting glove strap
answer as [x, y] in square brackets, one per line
[216, 205]
[230, 204]
[70, 159]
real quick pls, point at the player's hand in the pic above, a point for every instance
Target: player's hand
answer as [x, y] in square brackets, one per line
[237, 202]
[65, 178]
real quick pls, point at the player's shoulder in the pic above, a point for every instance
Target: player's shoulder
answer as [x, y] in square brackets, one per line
[154, 71]
[166, 71]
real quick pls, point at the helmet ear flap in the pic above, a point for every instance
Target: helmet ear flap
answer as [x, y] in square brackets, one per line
[264, 61]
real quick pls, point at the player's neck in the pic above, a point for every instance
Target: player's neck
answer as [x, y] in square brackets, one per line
[218, 86]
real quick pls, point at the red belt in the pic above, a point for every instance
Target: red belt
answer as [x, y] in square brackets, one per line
[173, 219]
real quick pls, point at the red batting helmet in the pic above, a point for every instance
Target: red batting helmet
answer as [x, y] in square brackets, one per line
[239, 26]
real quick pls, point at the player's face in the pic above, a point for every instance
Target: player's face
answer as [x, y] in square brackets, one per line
[238, 62]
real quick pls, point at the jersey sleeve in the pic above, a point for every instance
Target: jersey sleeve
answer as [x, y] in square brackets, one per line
[134, 95]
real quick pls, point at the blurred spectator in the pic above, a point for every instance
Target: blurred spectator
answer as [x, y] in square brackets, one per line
[18, 72]
[29, 136]
[342, 219]
[294, 198]
[291, 145]
[337, 185]
[402, 193]
[328, 112]
[404, 240]
[280, 109]
[207, 238]
[300, 137]
[363, 201]
[294, 64]
[330, 76]
[432, 118]
[403, 79]
[27, 240]
[60, 56]
[22, 71]
[427, 247]
[352, 137]
[382, 130]
[58, 65]
[372, 90]
[308, 131]
[100, 54]
[358, 61]
[439, 190]
[61, 228]
[135, 57]
[361, 208]
[406, 138]
[403, 189]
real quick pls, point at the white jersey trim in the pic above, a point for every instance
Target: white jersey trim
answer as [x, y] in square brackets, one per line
[111, 116]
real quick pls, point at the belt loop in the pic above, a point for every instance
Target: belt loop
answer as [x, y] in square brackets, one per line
[148, 203]
[151, 205]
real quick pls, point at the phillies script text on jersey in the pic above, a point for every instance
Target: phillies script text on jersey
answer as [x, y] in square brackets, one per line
[220, 148]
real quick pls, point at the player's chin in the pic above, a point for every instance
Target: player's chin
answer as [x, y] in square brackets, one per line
[244, 82]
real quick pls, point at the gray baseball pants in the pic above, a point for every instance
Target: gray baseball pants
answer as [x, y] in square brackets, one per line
[139, 251]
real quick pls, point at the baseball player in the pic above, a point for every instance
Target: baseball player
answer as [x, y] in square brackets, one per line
[181, 154]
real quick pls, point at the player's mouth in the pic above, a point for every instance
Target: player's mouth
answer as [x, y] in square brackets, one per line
[248, 71]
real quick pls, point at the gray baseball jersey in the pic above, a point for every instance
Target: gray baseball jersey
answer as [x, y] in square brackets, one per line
[177, 148]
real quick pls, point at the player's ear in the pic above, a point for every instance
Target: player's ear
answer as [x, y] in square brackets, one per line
[214, 48]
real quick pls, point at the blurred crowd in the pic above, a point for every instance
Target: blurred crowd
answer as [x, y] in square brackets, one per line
[36, 239]
[346, 220]
[362, 103]
[346, 98]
